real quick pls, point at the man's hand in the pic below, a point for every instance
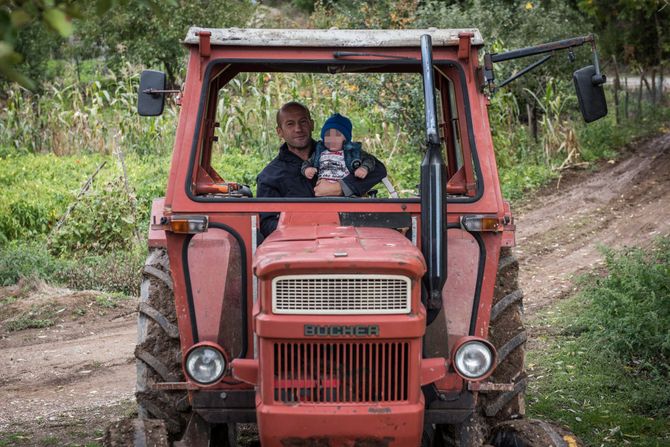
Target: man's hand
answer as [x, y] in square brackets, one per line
[327, 188]
[310, 172]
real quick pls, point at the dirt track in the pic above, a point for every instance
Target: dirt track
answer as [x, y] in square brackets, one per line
[62, 385]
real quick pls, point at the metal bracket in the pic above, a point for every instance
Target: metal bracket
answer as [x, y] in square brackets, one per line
[488, 387]
[173, 386]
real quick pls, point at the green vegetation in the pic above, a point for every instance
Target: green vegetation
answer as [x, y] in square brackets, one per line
[52, 142]
[604, 369]
[9, 439]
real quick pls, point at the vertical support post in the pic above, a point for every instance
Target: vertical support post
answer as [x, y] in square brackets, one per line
[433, 189]
[204, 47]
[464, 42]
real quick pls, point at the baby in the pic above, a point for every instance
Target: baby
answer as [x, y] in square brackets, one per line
[336, 156]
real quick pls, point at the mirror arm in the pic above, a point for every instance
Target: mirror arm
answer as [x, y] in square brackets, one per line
[598, 78]
[566, 44]
[156, 92]
[523, 72]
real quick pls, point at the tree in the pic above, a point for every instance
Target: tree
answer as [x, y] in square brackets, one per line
[636, 29]
[150, 34]
[32, 18]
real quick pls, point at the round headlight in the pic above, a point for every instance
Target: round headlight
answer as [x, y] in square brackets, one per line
[205, 364]
[473, 359]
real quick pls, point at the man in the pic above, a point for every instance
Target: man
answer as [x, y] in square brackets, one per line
[282, 176]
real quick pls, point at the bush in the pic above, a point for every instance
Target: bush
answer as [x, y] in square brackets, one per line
[102, 221]
[628, 319]
[28, 260]
[117, 271]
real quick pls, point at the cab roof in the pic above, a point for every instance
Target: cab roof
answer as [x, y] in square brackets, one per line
[340, 38]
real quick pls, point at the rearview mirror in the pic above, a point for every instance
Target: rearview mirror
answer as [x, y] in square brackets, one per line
[590, 94]
[151, 97]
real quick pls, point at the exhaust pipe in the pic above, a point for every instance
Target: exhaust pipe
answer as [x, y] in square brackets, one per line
[433, 192]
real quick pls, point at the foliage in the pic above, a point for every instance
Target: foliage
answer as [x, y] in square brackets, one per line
[117, 271]
[591, 392]
[97, 116]
[34, 15]
[27, 259]
[630, 310]
[103, 220]
[635, 29]
[605, 370]
[111, 272]
[148, 33]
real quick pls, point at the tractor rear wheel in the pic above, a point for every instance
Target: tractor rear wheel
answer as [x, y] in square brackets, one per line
[507, 333]
[498, 419]
[158, 353]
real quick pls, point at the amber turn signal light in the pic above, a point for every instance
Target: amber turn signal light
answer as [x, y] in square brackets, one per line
[189, 224]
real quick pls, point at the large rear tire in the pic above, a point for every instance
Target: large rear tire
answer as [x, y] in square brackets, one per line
[158, 352]
[507, 333]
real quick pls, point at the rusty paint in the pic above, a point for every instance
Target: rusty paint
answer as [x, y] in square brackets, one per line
[204, 46]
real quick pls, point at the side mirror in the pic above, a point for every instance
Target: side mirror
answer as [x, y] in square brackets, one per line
[590, 93]
[151, 97]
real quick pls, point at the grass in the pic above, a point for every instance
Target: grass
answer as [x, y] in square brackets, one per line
[116, 272]
[603, 367]
[9, 439]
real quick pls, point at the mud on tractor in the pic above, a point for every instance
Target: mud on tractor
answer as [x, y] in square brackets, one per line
[359, 321]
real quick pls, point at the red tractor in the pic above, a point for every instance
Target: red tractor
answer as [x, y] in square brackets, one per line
[342, 328]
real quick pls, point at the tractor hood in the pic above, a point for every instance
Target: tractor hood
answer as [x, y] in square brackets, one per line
[314, 249]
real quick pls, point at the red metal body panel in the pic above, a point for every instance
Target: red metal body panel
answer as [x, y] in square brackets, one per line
[341, 426]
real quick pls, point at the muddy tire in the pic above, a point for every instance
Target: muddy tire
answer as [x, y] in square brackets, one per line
[136, 432]
[532, 433]
[158, 353]
[507, 333]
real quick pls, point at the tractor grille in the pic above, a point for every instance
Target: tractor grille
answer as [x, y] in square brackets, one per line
[341, 294]
[343, 372]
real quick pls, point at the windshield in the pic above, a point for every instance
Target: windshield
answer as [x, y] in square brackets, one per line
[239, 129]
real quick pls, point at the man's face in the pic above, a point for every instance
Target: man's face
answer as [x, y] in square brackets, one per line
[295, 127]
[333, 139]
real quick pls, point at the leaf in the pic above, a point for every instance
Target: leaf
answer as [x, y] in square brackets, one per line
[58, 21]
[19, 18]
[102, 6]
[7, 71]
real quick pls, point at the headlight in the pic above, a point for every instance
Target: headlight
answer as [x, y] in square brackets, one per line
[473, 359]
[205, 364]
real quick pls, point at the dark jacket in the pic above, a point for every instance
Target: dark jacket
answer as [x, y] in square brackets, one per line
[282, 178]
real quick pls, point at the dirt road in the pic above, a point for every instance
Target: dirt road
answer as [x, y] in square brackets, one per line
[62, 385]
[559, 232]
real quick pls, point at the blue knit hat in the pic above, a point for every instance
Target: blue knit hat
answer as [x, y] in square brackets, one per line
[338, 122]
